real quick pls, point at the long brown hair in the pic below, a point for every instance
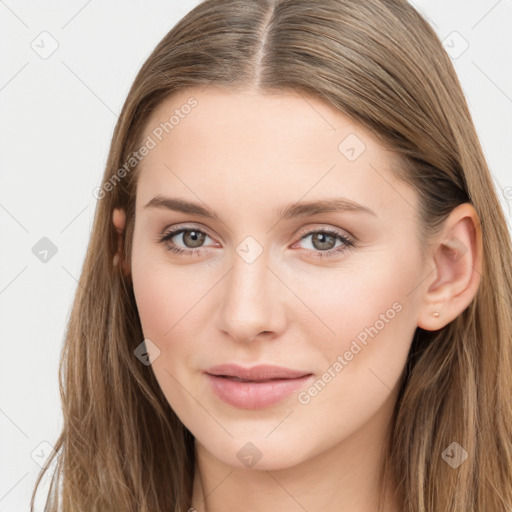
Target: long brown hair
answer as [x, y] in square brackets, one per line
[122, 447]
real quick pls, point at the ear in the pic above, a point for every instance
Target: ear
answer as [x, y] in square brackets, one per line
[457, 259]
[119, 221]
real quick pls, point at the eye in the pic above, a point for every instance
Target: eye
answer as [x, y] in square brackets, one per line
[323, 242]
[191, 237]
[192, 240]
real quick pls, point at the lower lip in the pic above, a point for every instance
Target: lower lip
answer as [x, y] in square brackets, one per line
[254, 395]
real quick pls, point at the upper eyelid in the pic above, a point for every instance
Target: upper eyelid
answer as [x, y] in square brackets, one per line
[174, 231]
[304, 231]
[335, 231]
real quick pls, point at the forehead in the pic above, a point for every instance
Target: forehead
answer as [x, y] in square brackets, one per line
[285, 145]
[252, 119]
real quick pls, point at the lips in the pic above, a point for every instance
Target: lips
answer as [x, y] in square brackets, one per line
[259, 373]
[258, 387]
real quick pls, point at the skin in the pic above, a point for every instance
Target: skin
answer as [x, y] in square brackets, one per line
[244, 154]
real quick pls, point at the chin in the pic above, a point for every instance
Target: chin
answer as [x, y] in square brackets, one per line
[258, 454]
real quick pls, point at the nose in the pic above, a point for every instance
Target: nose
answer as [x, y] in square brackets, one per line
[251, 303]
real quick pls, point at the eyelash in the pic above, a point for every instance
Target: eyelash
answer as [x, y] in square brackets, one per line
[347, 243]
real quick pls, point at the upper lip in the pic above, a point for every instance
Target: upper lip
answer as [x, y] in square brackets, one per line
[259, 372]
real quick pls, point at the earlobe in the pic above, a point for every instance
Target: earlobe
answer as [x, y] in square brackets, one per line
[457, 258]
[119, 221]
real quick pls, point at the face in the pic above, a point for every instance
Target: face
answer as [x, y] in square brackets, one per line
[326, 291]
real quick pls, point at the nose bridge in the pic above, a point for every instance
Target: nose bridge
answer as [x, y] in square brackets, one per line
[249, 297]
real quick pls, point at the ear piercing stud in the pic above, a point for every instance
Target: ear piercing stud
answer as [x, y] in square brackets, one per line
[436, 313]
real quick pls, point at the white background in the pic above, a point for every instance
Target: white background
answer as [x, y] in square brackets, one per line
[56, 121]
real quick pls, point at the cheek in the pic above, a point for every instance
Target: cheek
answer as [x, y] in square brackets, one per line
[165, 302]
[363, 297]
[155, 299]
[373, 319]
[165, 295]
[171, 305]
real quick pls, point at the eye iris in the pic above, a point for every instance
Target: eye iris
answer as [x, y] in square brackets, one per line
[321, 238]
[195, 237]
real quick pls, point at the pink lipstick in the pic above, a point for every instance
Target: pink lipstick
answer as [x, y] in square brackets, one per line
[256, 387]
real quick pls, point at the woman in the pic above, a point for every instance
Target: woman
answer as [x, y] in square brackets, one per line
[297, 291]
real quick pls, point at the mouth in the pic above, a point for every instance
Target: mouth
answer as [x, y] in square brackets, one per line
[259, 373]
[237, 379]
[257, 387]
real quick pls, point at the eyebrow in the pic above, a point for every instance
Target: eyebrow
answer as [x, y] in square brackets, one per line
[299, 209]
